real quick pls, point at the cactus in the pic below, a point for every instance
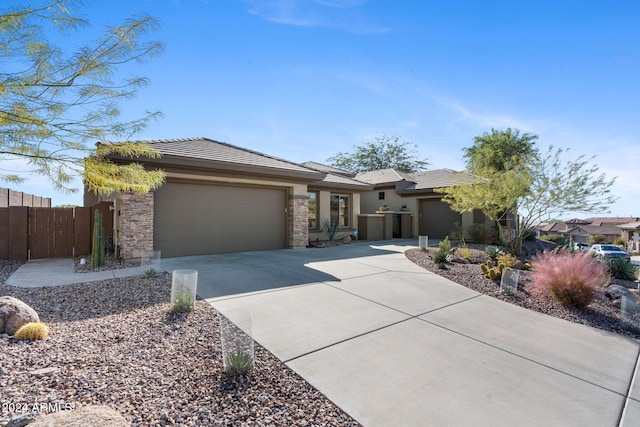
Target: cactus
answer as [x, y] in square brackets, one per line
[491, 272]
[32, 331]
[97, 243]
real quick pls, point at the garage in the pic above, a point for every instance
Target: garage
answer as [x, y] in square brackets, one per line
[436, 219]
[198, 219]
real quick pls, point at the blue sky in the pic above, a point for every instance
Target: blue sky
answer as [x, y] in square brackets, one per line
[303, 80]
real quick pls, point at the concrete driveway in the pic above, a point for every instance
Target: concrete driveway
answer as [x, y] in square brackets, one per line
[395, 345]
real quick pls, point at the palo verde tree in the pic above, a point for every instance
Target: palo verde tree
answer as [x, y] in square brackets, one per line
[383, 152]
[55, 103]
[512, 176]
[501, 162]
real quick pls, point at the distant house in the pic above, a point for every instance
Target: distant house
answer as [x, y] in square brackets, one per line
[580, 230]
[415, 193]
[631, 234]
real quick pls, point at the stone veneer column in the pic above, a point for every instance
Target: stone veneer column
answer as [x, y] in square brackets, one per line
[135, 225]
[298, 221]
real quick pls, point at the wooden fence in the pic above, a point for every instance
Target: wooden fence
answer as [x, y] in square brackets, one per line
[18, 198]
[37, 233]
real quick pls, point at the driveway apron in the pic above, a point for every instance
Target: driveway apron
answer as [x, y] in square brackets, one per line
[393, 344]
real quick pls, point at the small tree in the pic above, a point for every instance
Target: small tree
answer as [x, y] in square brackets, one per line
[533, 187]
[383, 152]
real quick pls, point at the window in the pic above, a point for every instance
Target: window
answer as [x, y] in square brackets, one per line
[341, 209]
[313, 210]
[381, 195]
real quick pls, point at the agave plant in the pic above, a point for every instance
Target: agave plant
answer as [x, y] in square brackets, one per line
[239, 363]
[182, 302]
[622, 269]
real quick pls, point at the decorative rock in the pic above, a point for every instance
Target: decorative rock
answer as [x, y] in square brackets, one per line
[616, 292]
[102, 416]
[15, 313]
[45, 372]
[3, 371]
[21, 420]
[347, 239]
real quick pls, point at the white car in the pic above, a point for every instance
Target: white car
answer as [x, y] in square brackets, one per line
[605, 252]
[580, 246]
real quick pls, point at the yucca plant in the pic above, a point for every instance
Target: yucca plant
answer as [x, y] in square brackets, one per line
[331, 228]
[150, 273]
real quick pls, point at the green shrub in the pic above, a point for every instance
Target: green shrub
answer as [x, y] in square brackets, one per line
[530, 235]
[619, 241]
[622, 269]
[597, 238]
[445, 245]
[481, 234]
[440, 256]
[150, 273]
[570, 278]
[457, 232]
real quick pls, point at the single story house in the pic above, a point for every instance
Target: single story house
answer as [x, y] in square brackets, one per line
[631, 234]
[581, 230]
[415, 193]
[222, 198]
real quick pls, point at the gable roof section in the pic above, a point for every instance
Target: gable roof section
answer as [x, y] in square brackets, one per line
[384, 177]
[337, 181]
[206, 153]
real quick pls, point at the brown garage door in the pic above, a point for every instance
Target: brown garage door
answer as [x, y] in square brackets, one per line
[197, 219]
[437, 219]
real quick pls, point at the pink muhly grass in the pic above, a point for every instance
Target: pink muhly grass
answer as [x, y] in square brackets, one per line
[569, 277]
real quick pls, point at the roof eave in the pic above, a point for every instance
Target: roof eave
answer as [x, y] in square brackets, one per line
[214, 165]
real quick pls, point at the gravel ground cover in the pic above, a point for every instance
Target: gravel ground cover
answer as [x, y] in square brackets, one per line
[116, 343]
[599, 314]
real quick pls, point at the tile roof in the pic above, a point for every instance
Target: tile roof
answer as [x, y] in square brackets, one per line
[408, 182]
[634, 225]
[384, 176]
[208, 149]
[325, 168]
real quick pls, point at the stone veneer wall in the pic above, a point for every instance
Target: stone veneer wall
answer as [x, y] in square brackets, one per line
[298, 221]
[136, 225]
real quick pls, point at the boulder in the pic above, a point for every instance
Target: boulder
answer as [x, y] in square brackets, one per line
[15, 313]
[102, 416]
[615, 292]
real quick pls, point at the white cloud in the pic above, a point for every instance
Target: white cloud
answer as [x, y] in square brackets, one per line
[345, 15]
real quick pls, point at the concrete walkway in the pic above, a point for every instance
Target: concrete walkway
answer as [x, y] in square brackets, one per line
[59, 271]
[395, 345]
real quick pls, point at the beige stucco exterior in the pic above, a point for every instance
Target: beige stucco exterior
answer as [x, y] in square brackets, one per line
[371, 203]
